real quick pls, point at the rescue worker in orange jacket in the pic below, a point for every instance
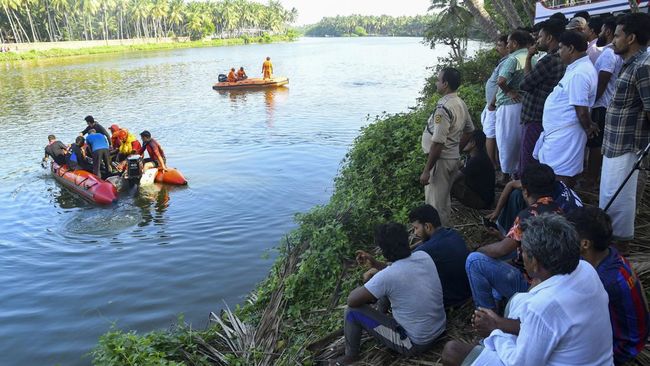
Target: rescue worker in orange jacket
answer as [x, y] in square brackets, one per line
[231, 76]
[267, 68]
[241, 74]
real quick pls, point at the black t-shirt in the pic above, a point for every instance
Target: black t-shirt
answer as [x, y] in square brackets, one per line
[57, 151]
[479, 177]
[449, 252]
[99, 129]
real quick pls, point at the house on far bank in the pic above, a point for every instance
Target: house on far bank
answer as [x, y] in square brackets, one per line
[545, 8]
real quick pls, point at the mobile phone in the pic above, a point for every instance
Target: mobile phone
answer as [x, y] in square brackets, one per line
[489, 224]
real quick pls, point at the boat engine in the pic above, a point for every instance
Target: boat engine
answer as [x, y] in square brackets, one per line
[222, 78]
[133, 169]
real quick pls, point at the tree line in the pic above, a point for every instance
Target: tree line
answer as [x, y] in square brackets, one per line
[72, 20]
[362, 25]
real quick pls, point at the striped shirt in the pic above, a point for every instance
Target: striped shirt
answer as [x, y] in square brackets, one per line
[627, 129]
[627, 306]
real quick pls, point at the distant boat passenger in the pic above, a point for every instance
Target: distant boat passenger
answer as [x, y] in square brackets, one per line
[267, 68]
[231, 76]
[241, 74]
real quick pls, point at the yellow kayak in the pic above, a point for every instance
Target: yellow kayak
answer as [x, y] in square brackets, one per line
[252, 83]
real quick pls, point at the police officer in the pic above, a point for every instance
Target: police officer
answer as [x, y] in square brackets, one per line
[441, 140]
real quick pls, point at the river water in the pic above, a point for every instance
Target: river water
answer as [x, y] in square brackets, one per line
[71, 270]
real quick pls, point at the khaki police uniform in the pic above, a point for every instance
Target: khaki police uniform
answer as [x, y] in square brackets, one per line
[446, 126]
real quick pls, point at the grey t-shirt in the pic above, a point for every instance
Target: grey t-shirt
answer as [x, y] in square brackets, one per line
[413, 288]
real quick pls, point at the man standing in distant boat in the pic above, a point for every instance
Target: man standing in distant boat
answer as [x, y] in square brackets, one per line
[156, 154]
[267, 68]
[440, 141]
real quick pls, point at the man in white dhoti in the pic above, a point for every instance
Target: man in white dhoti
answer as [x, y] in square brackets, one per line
[567, 119]
[627, 123]
[508, 102]
[564, 319]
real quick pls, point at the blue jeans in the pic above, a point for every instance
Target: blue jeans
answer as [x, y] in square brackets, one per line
[488, 275]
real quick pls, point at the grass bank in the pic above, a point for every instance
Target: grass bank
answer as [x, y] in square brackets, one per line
[60, 52]
[295, 315]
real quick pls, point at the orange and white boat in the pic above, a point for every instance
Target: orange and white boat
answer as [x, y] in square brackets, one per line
[252, 83]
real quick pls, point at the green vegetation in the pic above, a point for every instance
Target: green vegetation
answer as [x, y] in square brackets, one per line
[58, 52]
[361, 25]
[70, 20]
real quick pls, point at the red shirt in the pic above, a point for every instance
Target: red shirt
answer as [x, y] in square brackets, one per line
[152, 147]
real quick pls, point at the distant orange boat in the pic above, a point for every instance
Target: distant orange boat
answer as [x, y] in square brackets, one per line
[252, 83]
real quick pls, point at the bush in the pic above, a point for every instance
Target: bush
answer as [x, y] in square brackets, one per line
[359, 31]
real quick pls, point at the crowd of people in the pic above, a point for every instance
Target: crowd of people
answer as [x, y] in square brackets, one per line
[568, 104]
[97, 151]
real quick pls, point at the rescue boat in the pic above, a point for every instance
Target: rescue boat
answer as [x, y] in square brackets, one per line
[252, 83]
[85, 184]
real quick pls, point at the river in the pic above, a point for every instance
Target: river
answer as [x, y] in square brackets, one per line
[253, 159]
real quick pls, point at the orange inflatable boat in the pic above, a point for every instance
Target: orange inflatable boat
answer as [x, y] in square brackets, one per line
[171, 176]
[85, 184]
[252, 83]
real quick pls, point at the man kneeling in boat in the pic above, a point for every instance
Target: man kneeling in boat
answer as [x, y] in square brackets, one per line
[78, 158]
[156, 157]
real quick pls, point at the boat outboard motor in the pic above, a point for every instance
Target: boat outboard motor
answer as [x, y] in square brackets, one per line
[222, 78]
[133, 169]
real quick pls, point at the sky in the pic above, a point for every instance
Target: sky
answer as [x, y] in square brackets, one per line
[311, 11]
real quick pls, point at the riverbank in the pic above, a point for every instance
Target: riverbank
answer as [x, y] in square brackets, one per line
[295, 315]
[31, 51]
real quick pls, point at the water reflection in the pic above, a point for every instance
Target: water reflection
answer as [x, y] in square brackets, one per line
[153, 200]
[272, 96]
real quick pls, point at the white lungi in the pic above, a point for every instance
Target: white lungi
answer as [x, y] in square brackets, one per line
[508, 134]
[488, 121]
[563, 149]
[623, 209]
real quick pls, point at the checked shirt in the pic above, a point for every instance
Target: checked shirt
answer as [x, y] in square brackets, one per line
[538, 84]
[627, 128]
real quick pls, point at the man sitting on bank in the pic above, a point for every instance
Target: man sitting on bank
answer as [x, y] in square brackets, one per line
[412, 287]
[486, 271]
[511, 202]
[474, 183]
[156, 154]
[628, 307]
[565, 321]
[447, 249]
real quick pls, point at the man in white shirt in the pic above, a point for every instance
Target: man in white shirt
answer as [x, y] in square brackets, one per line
[564, 319]
[411, 285]
[566, 118]
[592, 32]
[608, 66]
